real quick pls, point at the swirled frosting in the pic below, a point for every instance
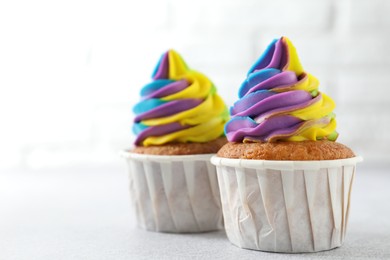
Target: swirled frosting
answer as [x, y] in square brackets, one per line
[180, 105]
[279, 101]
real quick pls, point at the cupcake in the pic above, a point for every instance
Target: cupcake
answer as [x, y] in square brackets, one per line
[285, 183]
[179, 125]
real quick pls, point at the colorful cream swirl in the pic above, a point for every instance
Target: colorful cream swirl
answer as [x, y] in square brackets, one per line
[279, 101]
[180, 105]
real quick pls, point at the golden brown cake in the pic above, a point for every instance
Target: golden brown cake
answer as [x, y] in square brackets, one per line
[182, 148]
[296, 151]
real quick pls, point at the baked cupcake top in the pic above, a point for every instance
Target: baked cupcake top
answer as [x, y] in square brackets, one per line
[180, 105]
[282, 151]
[279, 101]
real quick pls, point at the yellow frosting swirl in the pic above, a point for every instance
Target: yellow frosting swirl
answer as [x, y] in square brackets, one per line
[279, 101]
[179, 105]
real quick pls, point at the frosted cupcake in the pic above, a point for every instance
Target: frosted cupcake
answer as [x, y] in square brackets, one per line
[179, 125]
[285, 183]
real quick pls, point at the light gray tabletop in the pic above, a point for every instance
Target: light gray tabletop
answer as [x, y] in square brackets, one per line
[84, 213]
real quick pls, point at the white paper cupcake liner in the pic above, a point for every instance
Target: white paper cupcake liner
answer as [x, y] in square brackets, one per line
[285, 206]
[175, 193]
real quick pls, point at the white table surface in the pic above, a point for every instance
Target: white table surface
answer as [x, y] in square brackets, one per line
[84, 213]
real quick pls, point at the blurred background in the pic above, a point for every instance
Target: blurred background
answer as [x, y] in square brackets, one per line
[70, 71]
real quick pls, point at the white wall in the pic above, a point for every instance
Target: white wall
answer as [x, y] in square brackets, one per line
[70, 71]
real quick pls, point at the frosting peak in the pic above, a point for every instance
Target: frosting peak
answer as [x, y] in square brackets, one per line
[170, 65]
[279, 101]
[179, 105]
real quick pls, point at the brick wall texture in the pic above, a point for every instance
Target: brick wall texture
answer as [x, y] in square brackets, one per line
[70, 71]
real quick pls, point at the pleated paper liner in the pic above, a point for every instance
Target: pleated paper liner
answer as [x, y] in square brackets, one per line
[286, 206]
[174, 193]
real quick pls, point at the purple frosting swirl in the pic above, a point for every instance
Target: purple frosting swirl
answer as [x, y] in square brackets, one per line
[267, 97]
[178, 105]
